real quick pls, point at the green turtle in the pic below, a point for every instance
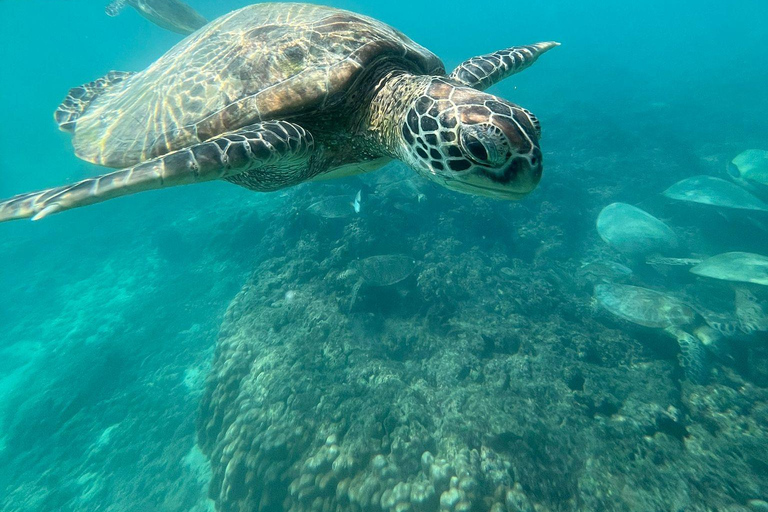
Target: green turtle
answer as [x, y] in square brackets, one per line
[173, 15]
[277, 94]
[382, 270]
[744, 267]
[633, 231]
[694, 326]
[750, 169]
[715, 192]
[651, 308]
[643, 306]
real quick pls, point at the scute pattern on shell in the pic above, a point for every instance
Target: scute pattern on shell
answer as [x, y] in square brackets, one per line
[262, 62]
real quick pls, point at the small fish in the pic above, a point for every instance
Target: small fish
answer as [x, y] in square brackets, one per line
[336, 207]
[333, 207]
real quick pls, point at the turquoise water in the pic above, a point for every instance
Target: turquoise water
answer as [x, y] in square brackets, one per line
[208, 346]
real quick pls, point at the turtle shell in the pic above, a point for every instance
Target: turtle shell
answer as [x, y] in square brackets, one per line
[261, 62]
[643, 306]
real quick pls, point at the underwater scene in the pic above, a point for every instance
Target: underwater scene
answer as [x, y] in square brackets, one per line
[452, 256]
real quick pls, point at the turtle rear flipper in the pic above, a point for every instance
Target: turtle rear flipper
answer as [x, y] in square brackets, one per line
[244, 157]
[79, 98]
[114, 8]
[750, 312]
[693, 356]
[355, 291]
[714, 341]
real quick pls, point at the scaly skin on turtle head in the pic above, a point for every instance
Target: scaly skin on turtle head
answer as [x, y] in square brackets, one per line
[473, 142]
[464, 139]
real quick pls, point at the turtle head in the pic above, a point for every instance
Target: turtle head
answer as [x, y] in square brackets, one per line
[472, 142]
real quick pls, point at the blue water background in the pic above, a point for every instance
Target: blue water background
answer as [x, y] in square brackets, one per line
[109, 287]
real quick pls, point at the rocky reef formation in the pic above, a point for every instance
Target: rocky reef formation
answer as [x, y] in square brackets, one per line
[485, 381]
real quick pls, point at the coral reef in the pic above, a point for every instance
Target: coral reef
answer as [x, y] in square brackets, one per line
[483, 382]
[485, 379]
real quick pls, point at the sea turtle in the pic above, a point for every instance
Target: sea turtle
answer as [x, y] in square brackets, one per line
[715, 192]
[742, 267]
[381, 270]
[750, 170]
[651, 308]
[695, 326]
[633, 231]
[173, 15]
[277, 94]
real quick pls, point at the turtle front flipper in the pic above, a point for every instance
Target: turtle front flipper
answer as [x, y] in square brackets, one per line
[114, 8]
[484, 71]
[80, 97]
[264, 156]
[173, 15]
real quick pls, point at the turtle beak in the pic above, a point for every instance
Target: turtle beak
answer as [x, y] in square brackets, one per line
[512, 182]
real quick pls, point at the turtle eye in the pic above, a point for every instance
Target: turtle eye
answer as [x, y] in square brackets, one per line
[476, 148]
[484, 145]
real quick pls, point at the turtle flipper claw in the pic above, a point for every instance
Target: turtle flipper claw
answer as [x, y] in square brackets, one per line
[48, 210]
